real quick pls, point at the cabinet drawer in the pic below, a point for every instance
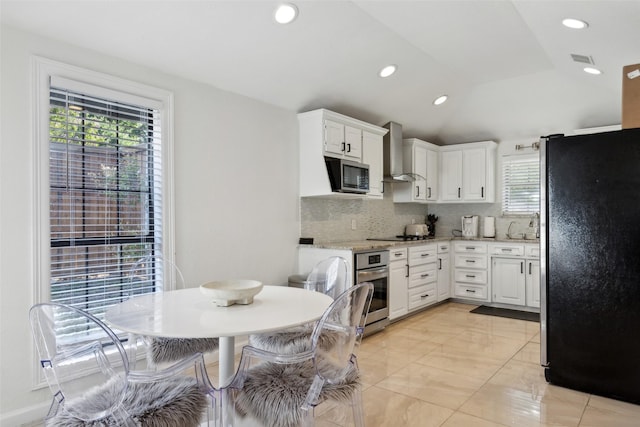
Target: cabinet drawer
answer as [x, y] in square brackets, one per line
[470, 247]
[397, 254]
[422, 295]
[471, 276]
[469, 291]
[422, 274]
[532, 251]
[471, 261]
[443, 247]
[422, 254]
[507, 249]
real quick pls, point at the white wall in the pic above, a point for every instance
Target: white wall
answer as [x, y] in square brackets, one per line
[236, 194]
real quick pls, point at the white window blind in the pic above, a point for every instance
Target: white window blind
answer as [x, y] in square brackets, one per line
[105, 203]
[521, 185]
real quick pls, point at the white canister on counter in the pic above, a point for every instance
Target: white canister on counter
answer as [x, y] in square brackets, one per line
[489, 226]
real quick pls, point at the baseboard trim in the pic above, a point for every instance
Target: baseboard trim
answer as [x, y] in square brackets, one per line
[28, 416]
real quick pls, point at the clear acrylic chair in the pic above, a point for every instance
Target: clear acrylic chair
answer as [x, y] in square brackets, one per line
[330, 277]
[87, 369]
[150, 271]
[283, 389]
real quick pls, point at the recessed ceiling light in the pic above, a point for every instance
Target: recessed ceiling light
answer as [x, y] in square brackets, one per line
[440, 100]
[388, 70]
[285, 13]
[592, 70]
[575, 24]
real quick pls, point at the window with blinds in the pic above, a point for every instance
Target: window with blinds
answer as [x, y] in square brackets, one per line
[105, 202]
[520, 185]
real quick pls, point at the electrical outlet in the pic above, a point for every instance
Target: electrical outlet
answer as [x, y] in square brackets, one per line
[353, 224]
[413, 220]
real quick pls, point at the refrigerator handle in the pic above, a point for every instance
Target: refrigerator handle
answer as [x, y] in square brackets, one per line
[543, 251]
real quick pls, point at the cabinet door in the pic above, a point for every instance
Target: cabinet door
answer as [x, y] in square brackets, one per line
[353, 143]
[508, 280]
[432, 175]
[372, 156]
[444, 277]
[334, 137]
[533, 282]
[398, 290]
[420, 168]
[474, 166]
[451, 175]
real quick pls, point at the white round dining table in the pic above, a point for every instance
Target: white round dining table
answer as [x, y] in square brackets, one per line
[187, 313]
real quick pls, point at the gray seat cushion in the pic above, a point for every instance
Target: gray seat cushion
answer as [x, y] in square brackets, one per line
[178, 401]
[274, 393]
[174, 349]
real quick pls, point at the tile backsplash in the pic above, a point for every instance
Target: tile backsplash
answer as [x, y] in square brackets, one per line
[330, 220]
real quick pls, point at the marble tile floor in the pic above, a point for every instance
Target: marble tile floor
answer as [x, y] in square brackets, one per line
[451, 368]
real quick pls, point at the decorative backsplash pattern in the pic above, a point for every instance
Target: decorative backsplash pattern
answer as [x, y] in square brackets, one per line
[330, 220]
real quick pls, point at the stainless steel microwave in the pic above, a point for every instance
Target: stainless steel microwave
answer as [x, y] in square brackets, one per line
[347, 176]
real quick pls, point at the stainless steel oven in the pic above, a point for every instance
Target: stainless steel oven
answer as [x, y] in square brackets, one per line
[373, 267]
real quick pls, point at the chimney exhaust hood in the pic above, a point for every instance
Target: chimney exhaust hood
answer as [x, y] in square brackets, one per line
[392, 158]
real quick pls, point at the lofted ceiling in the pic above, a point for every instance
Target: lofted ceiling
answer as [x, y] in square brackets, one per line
[506, 65]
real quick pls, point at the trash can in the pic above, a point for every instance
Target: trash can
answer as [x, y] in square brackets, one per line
[297, 280]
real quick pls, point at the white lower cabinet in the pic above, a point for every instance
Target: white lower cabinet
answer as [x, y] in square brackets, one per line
[532, 282]
[398, 281]
[470, 271]
[515, 274]
[508, 280]
[423, 276]
[444, 272]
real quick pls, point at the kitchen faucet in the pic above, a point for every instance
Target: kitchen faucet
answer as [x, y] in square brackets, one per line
[535, 222]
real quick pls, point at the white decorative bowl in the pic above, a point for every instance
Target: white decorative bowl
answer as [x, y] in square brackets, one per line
[229, 292]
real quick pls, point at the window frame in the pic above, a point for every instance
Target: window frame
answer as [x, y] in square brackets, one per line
[43, 70]
[512, 159]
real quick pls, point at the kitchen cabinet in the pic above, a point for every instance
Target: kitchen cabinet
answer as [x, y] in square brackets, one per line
[470, 271]
[508, 280]
[327, 133]
[342, 141]
[467, 172]
[515, 275]
[372, 156]
[444, 271]
[398, 281]
[423, 272]
[421, 158]
[532, 281]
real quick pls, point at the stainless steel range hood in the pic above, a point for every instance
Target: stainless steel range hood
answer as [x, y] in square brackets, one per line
[393, 167]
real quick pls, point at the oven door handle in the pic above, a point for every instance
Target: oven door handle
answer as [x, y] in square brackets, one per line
[369, 275]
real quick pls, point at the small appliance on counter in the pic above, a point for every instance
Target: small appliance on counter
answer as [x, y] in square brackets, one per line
[470, 226]
[419, 230]
[489, 226]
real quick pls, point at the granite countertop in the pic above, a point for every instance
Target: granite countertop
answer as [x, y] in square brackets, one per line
[362, 245]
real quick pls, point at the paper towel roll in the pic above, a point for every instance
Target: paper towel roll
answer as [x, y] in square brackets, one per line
[489, 226]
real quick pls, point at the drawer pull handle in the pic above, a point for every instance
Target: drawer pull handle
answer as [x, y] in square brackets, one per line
[425, 275]
[440, 265]
[471, 291]
[398, 254]
[470, 248]
[507, 249]
[424, 255]
[424, 296]
[470, 260]
[470, 276]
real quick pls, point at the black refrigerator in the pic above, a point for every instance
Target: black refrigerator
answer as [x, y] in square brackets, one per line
[590, 262]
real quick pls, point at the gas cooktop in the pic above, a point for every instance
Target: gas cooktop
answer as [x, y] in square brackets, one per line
[401, 238]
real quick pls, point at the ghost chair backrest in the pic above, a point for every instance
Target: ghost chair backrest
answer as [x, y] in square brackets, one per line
[329, 276]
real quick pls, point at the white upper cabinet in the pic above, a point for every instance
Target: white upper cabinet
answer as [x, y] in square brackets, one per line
[467, 172]
[372, 156]
[326, 133]
[420, 158]
[342, 141]
[451, 176]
